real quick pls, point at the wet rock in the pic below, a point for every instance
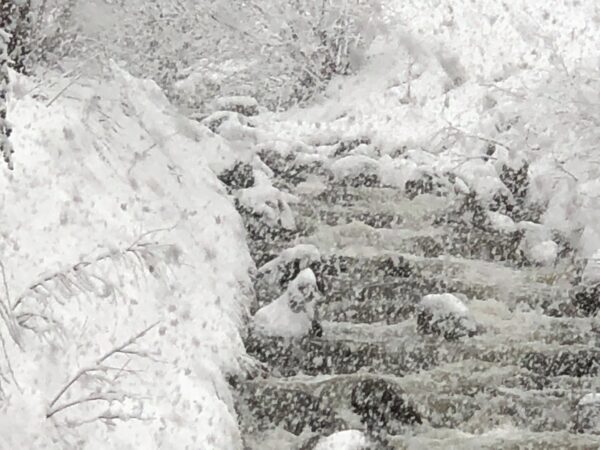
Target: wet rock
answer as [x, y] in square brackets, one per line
[379, 403]
[445, 315]
[572, 363]
[587, 414]
[291, 409]
[240, 176]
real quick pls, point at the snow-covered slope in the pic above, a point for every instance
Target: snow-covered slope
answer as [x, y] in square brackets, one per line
[451, 79]
[118, 237]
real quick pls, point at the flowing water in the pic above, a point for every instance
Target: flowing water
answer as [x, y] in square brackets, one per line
[516, 383]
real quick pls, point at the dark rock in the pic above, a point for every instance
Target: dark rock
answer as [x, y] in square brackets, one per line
[444, 315]
[245, 106]
[586, 299]
[291, 409]
[378, 220]
[426, 184]
[393, 266]
[517, 181]
[428, 246]
[240, 176]
[361, 180]
[279, 163]
[283, 357]
[378, 403]
[340, 357]
[572, 363]
[587, 414]
[345, 147]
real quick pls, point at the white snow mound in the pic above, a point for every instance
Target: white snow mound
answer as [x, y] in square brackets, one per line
[344, 440]
[291, 315]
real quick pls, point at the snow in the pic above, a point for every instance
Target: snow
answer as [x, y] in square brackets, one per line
[544, 253]
[501, 222]
[290, 315]
[268, 201]
[236, 100]
[111, 174]
[591, 399]
[305, 253]
[442, 305]
[591, 271]
[353, 165]
[344, 440]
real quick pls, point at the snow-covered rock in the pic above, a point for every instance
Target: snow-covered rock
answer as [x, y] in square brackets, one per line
[588, 413]
[544, 253]
[445, 314]
[247, 106]
[303, 253]
[501, 222]
[591, 272]
[537, 244]
[354, 165]
[291, 315]
[268, 201]
[344, 440]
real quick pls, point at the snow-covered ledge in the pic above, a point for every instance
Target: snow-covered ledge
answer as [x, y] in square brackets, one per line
[127, 263]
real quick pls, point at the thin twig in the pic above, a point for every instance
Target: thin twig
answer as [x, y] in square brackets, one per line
[97, 367]
[63, 90]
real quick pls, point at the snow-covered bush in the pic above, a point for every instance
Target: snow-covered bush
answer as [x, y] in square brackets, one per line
[6, 149]
[279, 52]
[15, 19]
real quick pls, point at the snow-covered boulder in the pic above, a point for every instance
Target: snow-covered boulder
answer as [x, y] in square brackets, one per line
[501, 222]
[291, 315]
[544, 253]
[305, 254]
[269, 202]
[344, 440]
[446, 315]
[591, 272]
[537, 244]
[354, 167]
[587, 418]
[247, 106]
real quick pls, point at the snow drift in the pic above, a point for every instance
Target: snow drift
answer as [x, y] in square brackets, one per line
[127, 268]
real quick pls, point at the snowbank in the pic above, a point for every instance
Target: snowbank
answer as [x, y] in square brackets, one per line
[123, 256]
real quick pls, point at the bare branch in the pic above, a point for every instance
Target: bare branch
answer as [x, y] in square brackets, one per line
[52, 409]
